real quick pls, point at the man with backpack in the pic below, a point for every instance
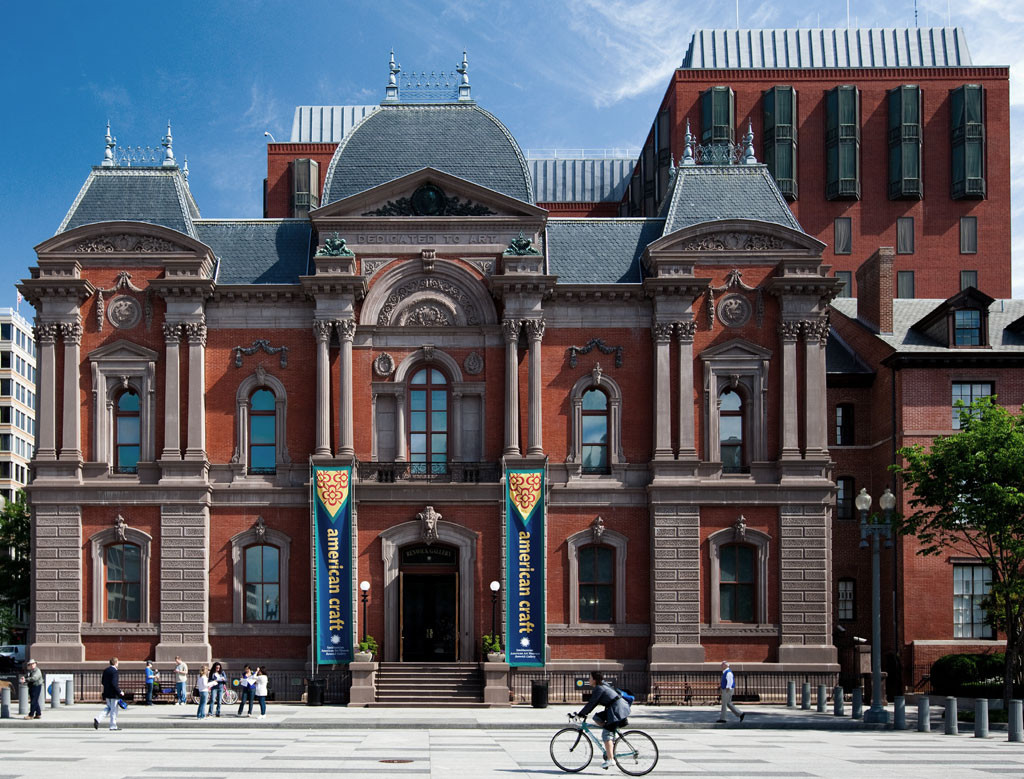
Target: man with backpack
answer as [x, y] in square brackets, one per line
[616, 704]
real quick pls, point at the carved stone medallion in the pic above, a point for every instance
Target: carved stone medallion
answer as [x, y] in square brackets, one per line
[734, 311]
[428, 315]
[384, 365]
[124, 312]
[474, 363]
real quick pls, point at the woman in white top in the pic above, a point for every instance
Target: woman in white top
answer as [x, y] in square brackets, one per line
[203, 685]
[245, 690]
[260, 686]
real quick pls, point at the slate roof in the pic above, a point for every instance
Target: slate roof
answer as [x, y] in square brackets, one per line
[395, 140]
[709, 193]
[258, 251]
[599, 251]
[842, 359]
[890, 47]
[154, 195]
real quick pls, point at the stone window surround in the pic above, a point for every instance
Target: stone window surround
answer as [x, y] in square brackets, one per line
[239, 543]
[616, 456]
[747, 374]
[619, 543]
[113, 366]
[245, 389]
[98, 543]
[760, 542]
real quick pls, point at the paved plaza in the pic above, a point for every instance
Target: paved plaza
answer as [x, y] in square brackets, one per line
[165, 741]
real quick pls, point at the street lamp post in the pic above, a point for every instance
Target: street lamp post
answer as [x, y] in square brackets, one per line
[365, 587]
[876, 527]
[495, 586]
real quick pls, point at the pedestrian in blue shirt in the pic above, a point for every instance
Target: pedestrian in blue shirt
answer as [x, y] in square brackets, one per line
[728, 688]
[151, 676]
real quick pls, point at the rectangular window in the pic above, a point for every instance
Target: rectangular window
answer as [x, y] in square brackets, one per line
[846, 599]
[971, 585]
[905, 235]
[5, 415]
[844, 497]
[968, 235]
[5, 359]
[780, 119]
[736, 583]
[597, 584]
[967, 135]
[5, 387]
[967, 392]
[843, 227]
[5, 331]
[967, 327]
[905, 284]
[844, 424]
[968, 278]
[842, 143]
[717, 116]
[905, 143]
[846, 277]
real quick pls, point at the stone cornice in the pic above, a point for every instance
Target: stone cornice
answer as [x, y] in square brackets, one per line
[328, 285]
[35, 290]
[822, 287]
[517, 283]
[676, 286]
[258, 293]
[183, 287]
[598, 292]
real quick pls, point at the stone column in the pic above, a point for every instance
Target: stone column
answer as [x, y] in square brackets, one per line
[675, 586]
[534, 443]
[510, 328]
[46, 338]
[71, 436]
[401, 441]
[346, 333]
[805, 611]
[455, 427]
[57, 585]
[789, 332]
[184, 584]
[662, 333]
[322, 333]
[815, 404]
[195, 332]
[687, 444]
[172, 392]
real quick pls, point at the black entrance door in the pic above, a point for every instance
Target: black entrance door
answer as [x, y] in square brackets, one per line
[429, 617]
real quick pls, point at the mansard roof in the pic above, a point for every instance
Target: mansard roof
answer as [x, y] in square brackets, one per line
[599, 251]
[395, 140]
[710, 193]
[258, 251]
[154, 195]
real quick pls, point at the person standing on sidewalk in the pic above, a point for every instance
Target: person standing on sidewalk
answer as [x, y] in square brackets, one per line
[245, 690]
[33, 677]
[111, 694]
[728, 688]
[151, 676]
[260, 684]
[203, 685]
[180, 679]
[217, 682]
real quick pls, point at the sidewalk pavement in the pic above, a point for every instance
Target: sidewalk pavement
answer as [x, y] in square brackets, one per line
[300, 716]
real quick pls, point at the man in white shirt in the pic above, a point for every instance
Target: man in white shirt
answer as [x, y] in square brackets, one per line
[180, 678]
[728, 688]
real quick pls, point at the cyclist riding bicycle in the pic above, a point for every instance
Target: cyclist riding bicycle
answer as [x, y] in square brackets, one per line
[616, 710]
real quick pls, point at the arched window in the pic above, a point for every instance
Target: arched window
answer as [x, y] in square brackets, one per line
[596, 583]
[127, 432]
[737, 589]
[730, 431]
[262, 583]
[262, 432]
[595, 431]
[428, 422]
[123, 582]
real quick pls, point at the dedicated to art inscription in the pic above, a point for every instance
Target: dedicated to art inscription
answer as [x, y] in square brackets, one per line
[429, 239]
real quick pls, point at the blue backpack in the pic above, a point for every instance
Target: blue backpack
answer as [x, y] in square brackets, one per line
[626, 695]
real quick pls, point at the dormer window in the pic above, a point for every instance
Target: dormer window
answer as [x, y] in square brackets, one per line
[967, 327]
[960, 322]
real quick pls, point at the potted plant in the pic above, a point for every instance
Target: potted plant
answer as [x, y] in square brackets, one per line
[367, 649]
[492, 648]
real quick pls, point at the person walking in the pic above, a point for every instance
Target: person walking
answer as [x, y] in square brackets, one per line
[151, 676]
[246, 690]
[33, 677]
[260, 689]
[728, 688]
[218, 681]
[616, 710]
[180, 679]
[203, 685]
[111, 695]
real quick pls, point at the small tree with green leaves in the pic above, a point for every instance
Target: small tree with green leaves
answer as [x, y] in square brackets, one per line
[968, 498]
[15, 562]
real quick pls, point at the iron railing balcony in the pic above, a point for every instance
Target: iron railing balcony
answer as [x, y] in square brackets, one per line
[445, 473]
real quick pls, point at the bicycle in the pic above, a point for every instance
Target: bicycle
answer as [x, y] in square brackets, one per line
[572, 748]
[230, 697]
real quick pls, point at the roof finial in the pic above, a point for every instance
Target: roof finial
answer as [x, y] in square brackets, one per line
[463, 70]
[748, 145]
[391, 93]
[184, 170]
[108, 153]
[168, 143]
[688, 147]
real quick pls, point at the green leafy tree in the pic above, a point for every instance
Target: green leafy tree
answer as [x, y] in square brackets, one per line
[15, 561]
[968, 498]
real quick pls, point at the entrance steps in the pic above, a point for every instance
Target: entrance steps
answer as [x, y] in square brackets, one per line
[423, 685]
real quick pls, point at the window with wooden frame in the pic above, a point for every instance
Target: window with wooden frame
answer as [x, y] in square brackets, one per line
[428, 422]
[596, 583]
[262, 431]
[844, 424]
[967, 330]
[730, 431]
[595, 431]
[127, 432]
[971, 586]
[847, 599]
[123, 582]
[262, 583]
[737, 583]
[966, 392]
[844, 497]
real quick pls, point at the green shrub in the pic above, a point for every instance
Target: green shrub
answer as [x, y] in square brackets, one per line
[951, 671]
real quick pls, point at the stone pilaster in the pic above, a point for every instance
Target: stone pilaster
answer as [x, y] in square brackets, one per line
[510, 329]
[184, 584]
[455, 420]
[687, 443]
[346, 333]
[789, 332]
[195, 332]
[71, 435]
[56, 635]
[401, 418]
[322, 333]
[675, 586]
[805, 614]
[535, 443]
[815, 333]
[662, 333]
[46, 339]
[172, 392]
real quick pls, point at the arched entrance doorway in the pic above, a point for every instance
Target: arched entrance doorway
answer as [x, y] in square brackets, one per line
[429, 593]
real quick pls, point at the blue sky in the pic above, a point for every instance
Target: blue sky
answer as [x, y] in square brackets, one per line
[579, 73]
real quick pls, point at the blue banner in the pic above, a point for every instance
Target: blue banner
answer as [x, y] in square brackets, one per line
[332, 565]
[525, 620]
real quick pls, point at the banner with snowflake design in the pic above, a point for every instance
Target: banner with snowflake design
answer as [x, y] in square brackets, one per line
[524, 512]
[332, 564]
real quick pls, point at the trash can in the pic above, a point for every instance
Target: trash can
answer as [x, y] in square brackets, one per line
[539, 693]
[315, 692]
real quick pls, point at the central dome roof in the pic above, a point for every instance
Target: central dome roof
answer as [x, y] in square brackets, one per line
[463, 140]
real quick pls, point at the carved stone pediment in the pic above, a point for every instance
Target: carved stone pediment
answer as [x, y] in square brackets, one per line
[429, 301]
[735, 241]
[126, 243]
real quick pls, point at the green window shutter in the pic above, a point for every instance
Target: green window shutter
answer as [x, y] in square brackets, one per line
[842, 143]
[905, 143]
[967, 112]
[780, 138]
[717, 115]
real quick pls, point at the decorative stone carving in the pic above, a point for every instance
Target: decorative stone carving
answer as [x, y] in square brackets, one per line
[597, 530]
[261, 374]
[720, 242]
[510, 329]
[384, 365]
[521, 246]
[597, 373]
[816, 329]
[120, 528]
[428, 315]
[71, 332]
[46, 332]
[346, 329]
[322, 329]
[686, 330]
[195, 332]
[734, 281]
[370, 267]
[594, 343]
[473, 364]
[740, 528]
[428, 352]
[442, 286]
[734, 311]
[662, 331]
[172, 332]
[428, 524]
[124, 312]
[430, 200]
[535, 328]
[789, 330]
[334, 247]
[428, 257]
[125, 242]
[123, 281]
[263, 344]
[486, 267]
[260, 529]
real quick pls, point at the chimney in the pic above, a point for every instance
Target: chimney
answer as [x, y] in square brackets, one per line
[875, 290]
